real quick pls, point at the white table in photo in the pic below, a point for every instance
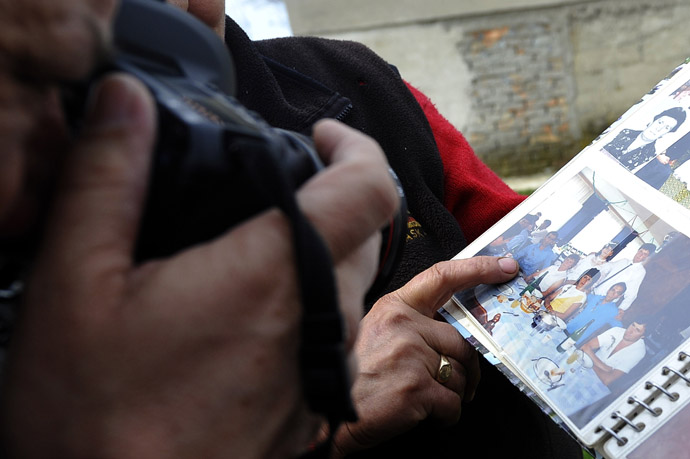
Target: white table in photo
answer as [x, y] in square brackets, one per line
[527, 348]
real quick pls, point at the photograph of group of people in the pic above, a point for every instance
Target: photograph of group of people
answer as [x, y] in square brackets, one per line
[612, 275]
[655, 144]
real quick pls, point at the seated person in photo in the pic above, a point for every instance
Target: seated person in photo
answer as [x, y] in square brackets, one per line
[541, 231]
[515, 237]
[489, 326]
[616, 351]
[497, 247]
[556, 274]
[534, 257]
[518, 235]
[603, 309]
[567, 299]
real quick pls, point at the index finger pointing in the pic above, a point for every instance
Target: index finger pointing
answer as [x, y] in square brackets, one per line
[432, 288]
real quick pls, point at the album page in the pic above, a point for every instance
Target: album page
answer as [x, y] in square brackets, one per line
[594, 327]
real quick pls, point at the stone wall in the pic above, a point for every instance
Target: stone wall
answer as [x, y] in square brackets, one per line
[528, 82]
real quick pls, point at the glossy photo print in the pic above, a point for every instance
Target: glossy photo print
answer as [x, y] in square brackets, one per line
[598, 300]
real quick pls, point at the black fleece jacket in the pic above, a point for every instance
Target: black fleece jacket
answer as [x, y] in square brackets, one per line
[294, 82]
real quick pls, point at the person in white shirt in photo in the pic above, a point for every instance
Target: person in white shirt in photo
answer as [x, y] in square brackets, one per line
[599, 260]
[556, 274]
[630, 272]
[616, 351]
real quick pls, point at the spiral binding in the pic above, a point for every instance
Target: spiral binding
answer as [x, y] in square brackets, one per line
[637, 427]
[645, 404]
[673, 396]
[621, 440]
[656, 412]
[667, 370]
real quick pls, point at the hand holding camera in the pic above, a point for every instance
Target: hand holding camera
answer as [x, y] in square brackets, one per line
[199, 350]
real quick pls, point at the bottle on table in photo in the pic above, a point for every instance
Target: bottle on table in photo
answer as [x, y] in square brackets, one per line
[574, 336]
[529, 288]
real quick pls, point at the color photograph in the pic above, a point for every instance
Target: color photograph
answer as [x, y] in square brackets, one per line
[598, 300]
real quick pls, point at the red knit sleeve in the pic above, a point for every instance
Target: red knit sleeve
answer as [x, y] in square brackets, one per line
[474, 194]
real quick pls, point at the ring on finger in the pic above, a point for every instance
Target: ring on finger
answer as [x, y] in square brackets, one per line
[445, 369]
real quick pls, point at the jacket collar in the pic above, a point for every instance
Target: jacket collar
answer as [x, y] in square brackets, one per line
[284, 97]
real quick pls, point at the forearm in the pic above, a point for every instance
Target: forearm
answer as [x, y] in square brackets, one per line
[628, 299]
[608, 375]
[599, 365]
[569, 312]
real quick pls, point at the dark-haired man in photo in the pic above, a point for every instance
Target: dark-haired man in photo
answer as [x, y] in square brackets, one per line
[616, 351]
[634, 148]
[537, 256]
[541, 231]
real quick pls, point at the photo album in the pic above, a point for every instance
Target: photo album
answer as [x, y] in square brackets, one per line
[595, 328]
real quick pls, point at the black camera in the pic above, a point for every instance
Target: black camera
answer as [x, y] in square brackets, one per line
[217, 164]
[199, 186]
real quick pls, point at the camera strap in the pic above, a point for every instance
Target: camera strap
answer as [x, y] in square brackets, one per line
[323, 362]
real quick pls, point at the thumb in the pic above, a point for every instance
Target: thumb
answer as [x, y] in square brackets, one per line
[101, 191]
[432, 288]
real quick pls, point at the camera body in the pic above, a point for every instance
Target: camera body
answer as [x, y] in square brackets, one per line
[209, 167]
[199, 188]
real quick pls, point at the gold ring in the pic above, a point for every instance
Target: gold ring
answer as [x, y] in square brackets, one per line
[445, 369]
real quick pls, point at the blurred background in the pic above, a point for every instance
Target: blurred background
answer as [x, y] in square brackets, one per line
[528, 82]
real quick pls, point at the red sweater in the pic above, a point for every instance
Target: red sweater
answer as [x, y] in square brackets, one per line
[474, 194]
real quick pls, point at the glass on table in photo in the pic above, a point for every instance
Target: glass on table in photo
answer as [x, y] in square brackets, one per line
[545, 321]
[536, 320]
[538, 323]
[573, 357]
[579, 361]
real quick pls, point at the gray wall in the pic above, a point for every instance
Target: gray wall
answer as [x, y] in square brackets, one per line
[535, 77]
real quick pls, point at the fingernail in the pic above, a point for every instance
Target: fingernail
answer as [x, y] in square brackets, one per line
[508, 265]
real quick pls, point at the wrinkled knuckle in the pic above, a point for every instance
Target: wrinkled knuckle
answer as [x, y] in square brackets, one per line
[482, 266]
[406, 352]
[440, 271]
[413, 385]
[396, 316]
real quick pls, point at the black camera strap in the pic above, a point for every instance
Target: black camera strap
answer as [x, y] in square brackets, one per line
[322, 353]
